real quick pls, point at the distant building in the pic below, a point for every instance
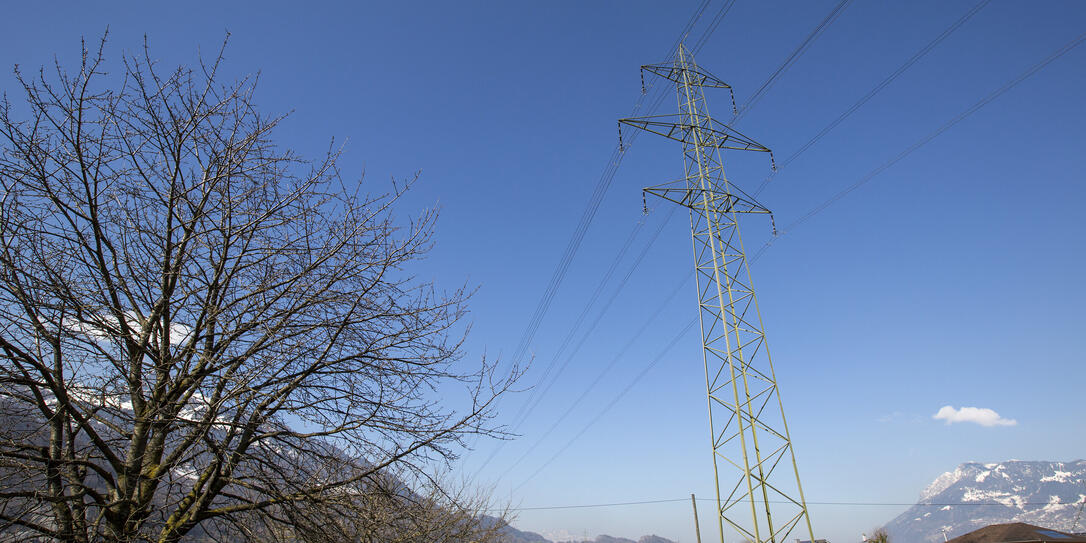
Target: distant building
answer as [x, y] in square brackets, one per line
[1017, 532]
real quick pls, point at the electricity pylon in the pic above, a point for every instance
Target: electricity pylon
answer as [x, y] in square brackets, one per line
[753, 461]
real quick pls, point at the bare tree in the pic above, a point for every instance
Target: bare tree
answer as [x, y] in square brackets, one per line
[201, 331]
[880, 535]
[379, 513]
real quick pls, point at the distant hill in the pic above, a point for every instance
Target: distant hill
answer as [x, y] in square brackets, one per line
[644, 539]
[513, 535]
[1017, 531]
[974, 495]
[517, 536]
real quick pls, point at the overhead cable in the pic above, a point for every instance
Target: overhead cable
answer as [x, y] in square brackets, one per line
[600, 376]
[687, 500]
[589, 213]
[792, 58]
[725, 7]
[606, 178]
[671, 344]
[720, 14]
[601, 313]
[871, 94]
[926, 139]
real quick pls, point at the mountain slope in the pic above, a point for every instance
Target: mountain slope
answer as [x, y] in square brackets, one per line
[512, 535]
[975, 495]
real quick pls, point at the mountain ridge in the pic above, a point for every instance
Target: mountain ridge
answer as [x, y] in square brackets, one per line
[975, 494]
[513, 535]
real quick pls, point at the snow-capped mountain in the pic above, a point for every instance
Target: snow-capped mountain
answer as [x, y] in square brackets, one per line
[1047, 494]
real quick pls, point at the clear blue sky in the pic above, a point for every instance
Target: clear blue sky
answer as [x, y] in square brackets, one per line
[953, 278]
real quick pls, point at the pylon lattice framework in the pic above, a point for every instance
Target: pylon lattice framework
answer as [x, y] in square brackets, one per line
[752, 450]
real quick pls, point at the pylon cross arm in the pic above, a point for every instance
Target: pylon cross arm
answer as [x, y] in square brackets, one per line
[701, 130]
[694, 75]
[694, 198]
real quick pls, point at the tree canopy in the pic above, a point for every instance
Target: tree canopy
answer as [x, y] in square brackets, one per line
[203, 333]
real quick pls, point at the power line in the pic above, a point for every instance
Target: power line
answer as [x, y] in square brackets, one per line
[871, 94]
[802, 219]
[835, 503]
[638, 334]
[725, 7]
[589, 213]
[594, 203]
[926, 139]
[606, 178]
[614, 401]
[536, 396]
[720, 14]
[603, 311]
[655, 104]
[946, 126]
[689, 26]
[578, 322]
[599, 377]
[608, 175]
[804, 45]
[559, 273]
[587, 506]
[792, 58]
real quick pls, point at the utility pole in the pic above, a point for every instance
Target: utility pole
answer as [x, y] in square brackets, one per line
[697, 523]
[754, 466]
[1078, 515]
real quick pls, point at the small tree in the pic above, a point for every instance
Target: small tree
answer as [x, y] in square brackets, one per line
[199, 331]
[879, 536]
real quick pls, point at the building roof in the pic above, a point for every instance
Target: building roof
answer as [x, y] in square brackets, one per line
[1017, 532]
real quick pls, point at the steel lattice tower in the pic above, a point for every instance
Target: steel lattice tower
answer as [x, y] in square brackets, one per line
[753, 461]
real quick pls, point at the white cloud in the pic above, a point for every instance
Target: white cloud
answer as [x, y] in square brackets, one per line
[890, 417]
[979, 415]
